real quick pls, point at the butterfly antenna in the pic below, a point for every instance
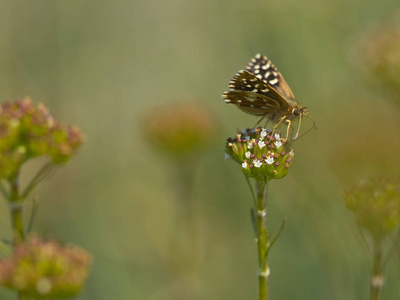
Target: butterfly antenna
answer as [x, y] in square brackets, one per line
[313, 127]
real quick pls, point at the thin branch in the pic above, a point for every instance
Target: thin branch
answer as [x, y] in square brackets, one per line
[275, 238]
[35, 208]
[396, 242]
[3, 191]
[364, 239]
[251, 190]
[40, 175]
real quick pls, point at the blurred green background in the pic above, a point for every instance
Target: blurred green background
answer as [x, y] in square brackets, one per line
[102, 65]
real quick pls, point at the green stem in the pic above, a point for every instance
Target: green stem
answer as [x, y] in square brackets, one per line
[16, 215]
[16, 210]
[377, 272]
[40, 175]
[17, 223]
[262, 239]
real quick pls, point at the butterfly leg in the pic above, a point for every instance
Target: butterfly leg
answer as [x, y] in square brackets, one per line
[276, 126]
[288, 128]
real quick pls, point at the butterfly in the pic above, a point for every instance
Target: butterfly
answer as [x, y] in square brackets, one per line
[261, 90]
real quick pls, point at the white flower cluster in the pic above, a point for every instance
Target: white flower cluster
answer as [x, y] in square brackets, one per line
[261, 153]
[257, 162]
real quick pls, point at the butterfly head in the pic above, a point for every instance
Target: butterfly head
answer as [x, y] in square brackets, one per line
[300, 111]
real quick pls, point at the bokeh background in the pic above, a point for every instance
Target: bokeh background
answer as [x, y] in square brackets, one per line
[103, 65]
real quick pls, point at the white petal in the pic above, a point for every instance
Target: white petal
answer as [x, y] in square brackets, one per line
[263, 134]
[270, 160]
[257, 163]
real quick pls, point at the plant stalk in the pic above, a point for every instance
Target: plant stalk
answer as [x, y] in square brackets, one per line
[17, 223]
[262, 238]
[182, 259]
[16, 215]
[377, 272]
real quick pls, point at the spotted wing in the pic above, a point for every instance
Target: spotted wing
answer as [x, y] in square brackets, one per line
[253, 95]
[251, 103]
[262, 67]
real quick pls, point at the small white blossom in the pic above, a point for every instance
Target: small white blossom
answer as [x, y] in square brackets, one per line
[278, 143]
[261, 144]
[244, 165]
[250, 145]
[277, 136]
[227, 156]
[257, 163]
[291, 153]
[248, 154]
[270, 160]
[263, 133]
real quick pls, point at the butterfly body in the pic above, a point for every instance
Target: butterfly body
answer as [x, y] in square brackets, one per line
[261, 90]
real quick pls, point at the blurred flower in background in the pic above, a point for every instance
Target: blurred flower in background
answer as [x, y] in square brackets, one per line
[375, 204]
[380, 54]
[180, 129]
[45, 269]
[28, 131]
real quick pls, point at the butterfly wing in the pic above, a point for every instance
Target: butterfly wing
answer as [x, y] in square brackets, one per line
[251, 103]
[262, 68]
[253, 95]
